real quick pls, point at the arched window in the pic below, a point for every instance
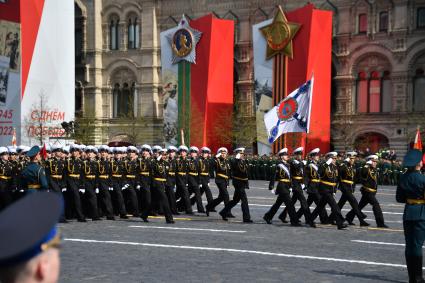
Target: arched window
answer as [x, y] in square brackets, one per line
[362, 24]
[362, 93]
[123, 101]
[419, 90]
[374, 93]
[114, 33]
[387, 92]
[383, 21]
[420, 20]
[133, 30]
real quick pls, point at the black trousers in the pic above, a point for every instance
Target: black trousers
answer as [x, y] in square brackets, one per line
[105, 200]
[182, 192]
[238, 196]
[347, 195]
[368, 198]
[328, 198]
[91, 198]
[283, 196]
[171, 195]
[73, 195]
[117, 196]
[204, 188]
[158, 188]
[314, 197]
[298, 195]
[193, 186]
[223, 194]
[130, 196]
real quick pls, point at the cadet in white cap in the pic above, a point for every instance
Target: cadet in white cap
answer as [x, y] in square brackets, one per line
[369, 177]
[170, 186]
[283, 190]
[204, 175]
[74, 184]
[104, 182]
[182, 191]
[328, 173]
[145, 194]
[193, 178]
[240, 182]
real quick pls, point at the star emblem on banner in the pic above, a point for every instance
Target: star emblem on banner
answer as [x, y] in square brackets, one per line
[279, 35]
[183, 42]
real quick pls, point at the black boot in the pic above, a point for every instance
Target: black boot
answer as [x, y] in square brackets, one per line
[411, 268]
[418, 268]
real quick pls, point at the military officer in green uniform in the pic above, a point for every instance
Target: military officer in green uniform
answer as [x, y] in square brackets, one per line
[410, 190]
[33, 176]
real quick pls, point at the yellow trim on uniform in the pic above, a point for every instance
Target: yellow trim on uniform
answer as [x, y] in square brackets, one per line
[131, 176]
[328, 183]
[171, 173]
[297, 178]
[241, 179]
[74, 175]
[284, 180]
[415, 201]
[5, 177]
[347, 181]
[370, 190]
[193, 174]
[182, 173]
[204, 174]
[144, 173]
[315, 180]
[223, 176]
[90, 176]
[56, 176]
[160, 179]
[103, 176]
[116, 176]
[34, 186]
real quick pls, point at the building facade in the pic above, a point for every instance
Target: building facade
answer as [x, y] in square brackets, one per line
[378, 63]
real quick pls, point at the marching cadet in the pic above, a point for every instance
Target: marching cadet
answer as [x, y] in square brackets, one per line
[33, 176]
[328, 173]
[74, 181]
[193, 180]
[240, 183]
[170, 186]
[131, 181]
[118, 182]
[7, 178]
[369, 181]
[347, 185]
[104, 181]
[90, 182]
[159, 178]
[313, 182]
[411, 191]
[297, 178]
[21, 163]
[204, 169]
[222, 173]
[181, 181]
[145, 195]
[283, 190]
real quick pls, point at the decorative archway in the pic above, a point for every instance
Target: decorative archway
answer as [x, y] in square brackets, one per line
[371, 141]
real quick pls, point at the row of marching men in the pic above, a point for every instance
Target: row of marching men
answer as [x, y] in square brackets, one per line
[321, 180]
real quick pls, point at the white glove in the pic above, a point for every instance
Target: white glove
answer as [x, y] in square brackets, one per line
[238, 156]
[111, 188]
[125, 187]
[96, 190]
[82, 190]
[290, 190]
[159, 158]
[138, 187]
[218, 155]
[63, 190]
[273, 191]
[302, 186]
[304, 162]
[21, 191]
[174, 188]
[329, 161]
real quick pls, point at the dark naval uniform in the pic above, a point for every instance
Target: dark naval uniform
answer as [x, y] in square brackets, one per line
[222, 175]
[282, 176]
[204, 178]
[145, 196]
[182, 191]
[171, 184]
[90, 182]
[104, 183]
[8, 183]
[117, 183]
[369, 181]
[55, 171]
[411, 191]
[193, 181]
[132, 184]
[74, 182]
[240, 183]
[159, 179]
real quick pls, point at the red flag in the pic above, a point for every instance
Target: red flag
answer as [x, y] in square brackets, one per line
[14, 137]
[43, 152]
[418, 142]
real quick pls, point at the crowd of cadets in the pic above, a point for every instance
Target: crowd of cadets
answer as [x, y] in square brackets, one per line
[140, 182]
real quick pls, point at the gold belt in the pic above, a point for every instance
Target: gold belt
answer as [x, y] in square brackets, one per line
[160, 179]
[144, 173]
[182, 173]
[297, 178]
[328, 183]
[370, 190]
[116, 176]
[131, 176]
[171, 173]
[415, 201]
[56, 176]
[103, 176]
[193, 174]
[204, 174]
[74, 175]
[315, 180]
[223, 176]
[5, 177]
[241, 179]
[347, 181]
[34, 186]
[90, 176]
[284, 180]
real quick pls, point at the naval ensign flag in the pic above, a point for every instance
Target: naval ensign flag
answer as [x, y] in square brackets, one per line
[292, 114]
